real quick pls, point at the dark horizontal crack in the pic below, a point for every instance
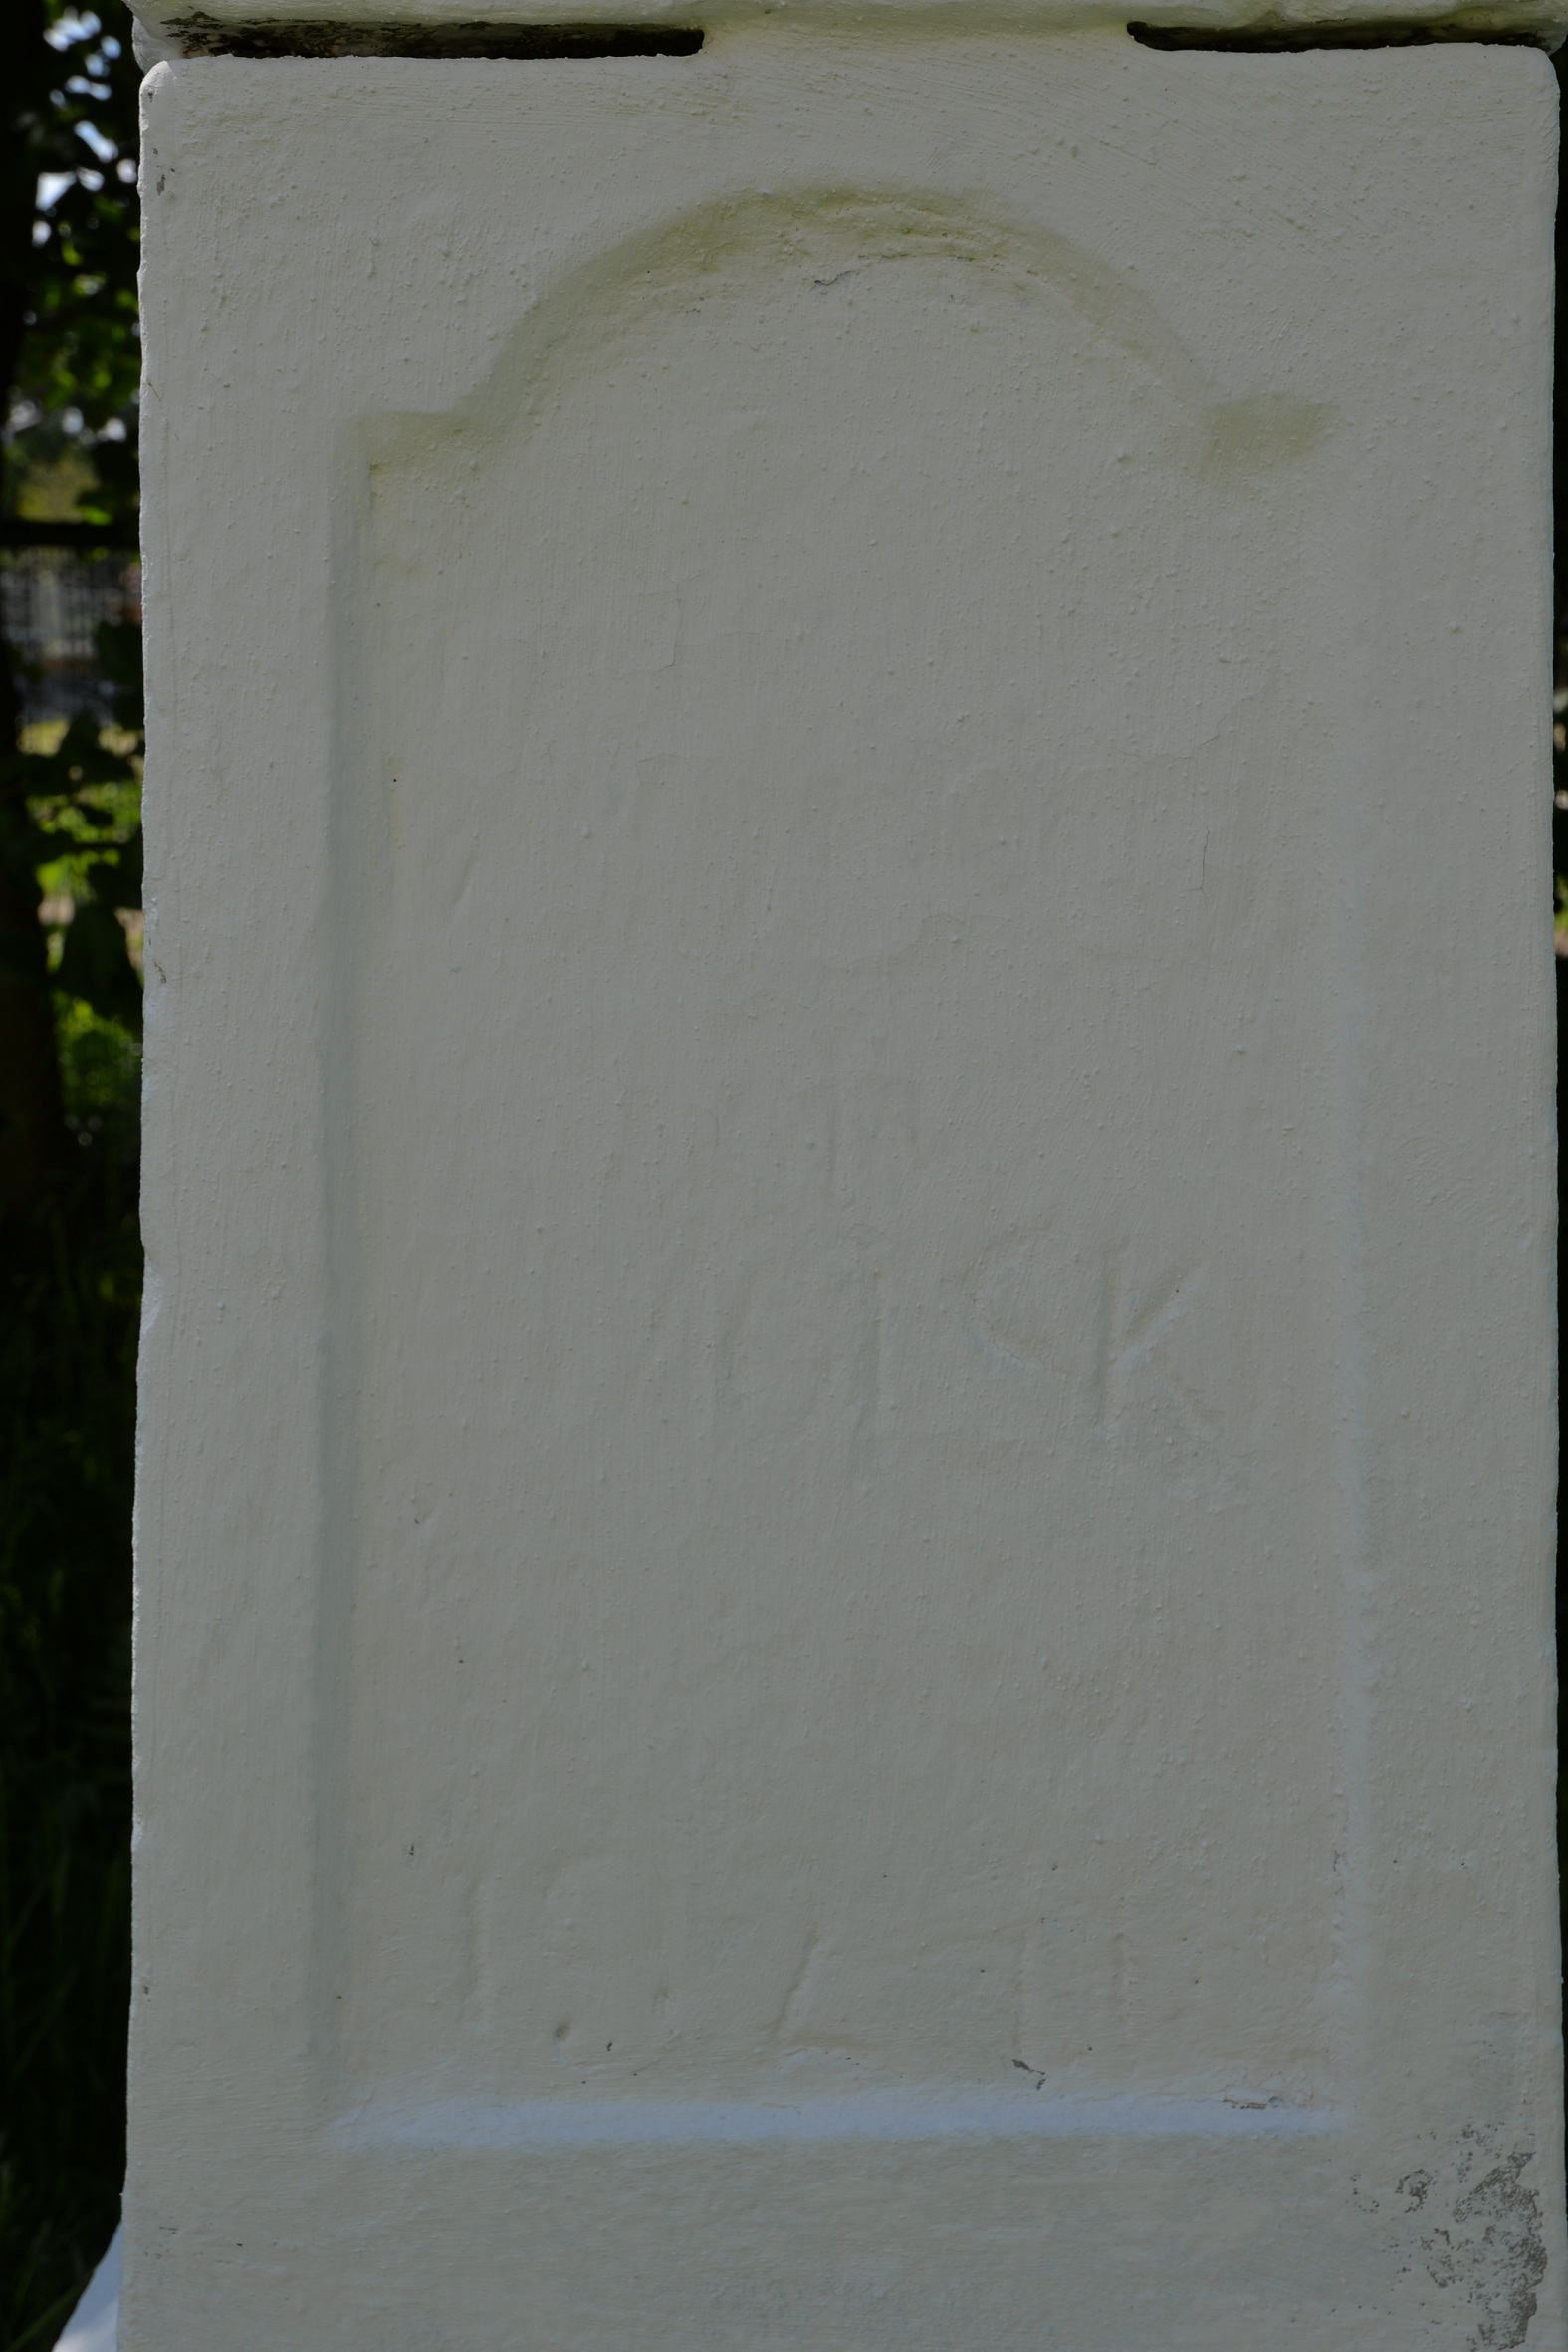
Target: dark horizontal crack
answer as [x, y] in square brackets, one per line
[200, 35]
[1272, 40]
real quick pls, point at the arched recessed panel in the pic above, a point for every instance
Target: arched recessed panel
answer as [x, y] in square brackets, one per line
[839, 1436]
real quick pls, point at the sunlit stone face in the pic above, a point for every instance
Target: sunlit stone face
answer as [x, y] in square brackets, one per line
[839, 1122]
[847, 1451]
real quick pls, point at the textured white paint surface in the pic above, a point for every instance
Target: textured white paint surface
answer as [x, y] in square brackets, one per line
[846, 1629]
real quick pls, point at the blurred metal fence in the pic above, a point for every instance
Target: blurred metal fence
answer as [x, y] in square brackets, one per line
[51, 600]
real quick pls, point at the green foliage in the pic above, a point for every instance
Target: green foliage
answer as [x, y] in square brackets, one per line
[100, 1069]
[74, 378]
[85, 845]
[69, 351]
[77, 834]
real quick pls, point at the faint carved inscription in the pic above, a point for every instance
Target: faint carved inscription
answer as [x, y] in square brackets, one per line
[1135, 1319]
[1037, 1338]
[1010, 1302]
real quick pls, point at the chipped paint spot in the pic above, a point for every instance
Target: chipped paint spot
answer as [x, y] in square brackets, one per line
[1494, 2250]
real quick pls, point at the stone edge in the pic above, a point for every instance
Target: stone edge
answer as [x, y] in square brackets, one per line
[167, 30]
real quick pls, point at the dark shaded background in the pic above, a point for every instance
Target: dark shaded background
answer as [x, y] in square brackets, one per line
[70, 1251]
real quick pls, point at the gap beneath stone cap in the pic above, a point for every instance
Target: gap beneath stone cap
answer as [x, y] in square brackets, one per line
[200, 35]
[1270, 40]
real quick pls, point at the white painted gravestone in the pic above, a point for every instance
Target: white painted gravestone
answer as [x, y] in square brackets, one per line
[847, 1465]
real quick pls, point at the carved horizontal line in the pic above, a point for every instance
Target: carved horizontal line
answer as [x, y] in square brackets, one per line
[1277, 40]
[200, 35]
[895, 2116]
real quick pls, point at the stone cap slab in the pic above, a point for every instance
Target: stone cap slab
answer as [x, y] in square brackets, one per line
[596, 28]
